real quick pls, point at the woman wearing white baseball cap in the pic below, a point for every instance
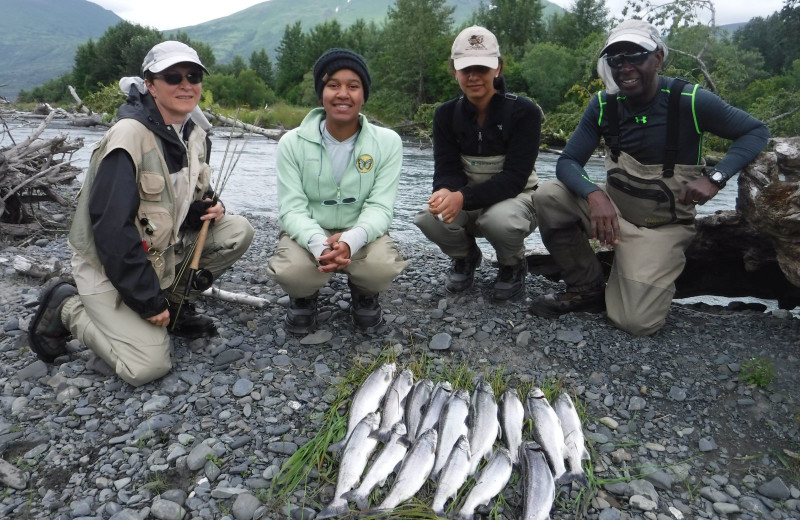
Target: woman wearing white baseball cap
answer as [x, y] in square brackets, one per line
[485, 143]
[145, 196]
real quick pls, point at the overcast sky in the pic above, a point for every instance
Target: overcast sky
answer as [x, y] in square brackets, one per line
[170, 14]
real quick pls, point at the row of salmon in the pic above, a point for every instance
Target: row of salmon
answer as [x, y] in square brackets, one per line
[429, 431]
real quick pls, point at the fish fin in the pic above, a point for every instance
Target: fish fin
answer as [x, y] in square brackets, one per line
[337, 447]
[565, 478]
[405, 441]
[579, 477]
[585, 454]
[382, 434]
[359, 499]
[338, 507]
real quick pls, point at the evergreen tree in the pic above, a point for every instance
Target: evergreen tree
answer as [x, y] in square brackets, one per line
[514, 22]
[291, 59]
[583, 18]
[262, 65]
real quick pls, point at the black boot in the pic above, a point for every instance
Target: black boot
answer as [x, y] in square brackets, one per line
[301, 316]
[592, 299]
[510, 282]
[188, 323]
[47, 334]
[365, 310]
[462, 271]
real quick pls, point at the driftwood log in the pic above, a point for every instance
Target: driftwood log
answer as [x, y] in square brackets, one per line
[753, 251]
[266, 132]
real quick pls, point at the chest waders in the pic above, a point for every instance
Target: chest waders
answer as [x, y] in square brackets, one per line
[647, 195]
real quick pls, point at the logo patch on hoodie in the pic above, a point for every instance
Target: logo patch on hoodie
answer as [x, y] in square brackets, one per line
[364, 163]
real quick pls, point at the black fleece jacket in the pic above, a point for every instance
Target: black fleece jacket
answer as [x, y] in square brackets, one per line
[459, 133]
[114, 203]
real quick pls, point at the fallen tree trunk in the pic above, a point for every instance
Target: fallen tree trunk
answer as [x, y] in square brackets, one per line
[753, 251]
[266, 132]
[228, 296]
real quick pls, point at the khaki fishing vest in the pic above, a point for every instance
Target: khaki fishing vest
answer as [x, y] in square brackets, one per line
[644, 196]
[159, 216]
[481, 169]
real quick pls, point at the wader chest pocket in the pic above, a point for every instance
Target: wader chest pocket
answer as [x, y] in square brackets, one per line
[643, 202]
[151, 185]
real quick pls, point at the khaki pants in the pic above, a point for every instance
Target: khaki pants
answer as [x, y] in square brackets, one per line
[371, 269]
[138, 351]
[647, 261]
[505, 225]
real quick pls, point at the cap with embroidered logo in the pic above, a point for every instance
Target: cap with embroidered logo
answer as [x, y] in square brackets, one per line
[475, 46]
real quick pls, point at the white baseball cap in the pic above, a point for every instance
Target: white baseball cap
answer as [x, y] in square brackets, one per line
[637, 32]
[166, 54]
[475, 46]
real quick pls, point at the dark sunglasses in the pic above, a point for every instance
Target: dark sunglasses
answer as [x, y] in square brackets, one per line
[175, 78]
[635, 58]
[348, 200]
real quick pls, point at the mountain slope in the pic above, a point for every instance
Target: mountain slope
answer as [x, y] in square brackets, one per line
[38, 38]
[262, 25]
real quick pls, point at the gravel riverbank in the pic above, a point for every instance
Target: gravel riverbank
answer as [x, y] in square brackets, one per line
[670, 421]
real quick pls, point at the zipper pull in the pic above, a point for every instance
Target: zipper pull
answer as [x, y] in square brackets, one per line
[338, 193]
[480, 141]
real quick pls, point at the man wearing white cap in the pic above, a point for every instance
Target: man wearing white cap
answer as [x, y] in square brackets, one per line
[143, 201]
[652, 127]
[485, 144]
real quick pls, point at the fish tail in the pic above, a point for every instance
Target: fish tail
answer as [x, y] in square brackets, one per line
[572, 476]
[356, 496]
[336, 447]
[338, 507]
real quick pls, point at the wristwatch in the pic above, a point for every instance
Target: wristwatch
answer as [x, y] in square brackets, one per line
[718, 178]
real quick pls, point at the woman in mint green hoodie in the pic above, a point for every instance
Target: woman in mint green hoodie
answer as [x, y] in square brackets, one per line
[337, 183]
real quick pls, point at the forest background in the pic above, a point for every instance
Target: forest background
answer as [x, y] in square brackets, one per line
[550, 59]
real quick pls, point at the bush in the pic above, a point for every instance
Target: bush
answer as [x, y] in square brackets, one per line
[105, 101]
[51, 91]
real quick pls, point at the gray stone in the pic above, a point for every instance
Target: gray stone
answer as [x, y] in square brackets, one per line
[440, 341]
[660, 479]
[645, 488]
[642, 503]
[569, 336]
[622, 489]
[523, 338]
[707, 444]
[11, 323]
[317, 338]
[271, 472]
[282, 360]
[775, 489]
[284, 448]
[245, 506]
[754, 505]
[677, 393]
[175, 495]
[197, 457]
[12, 476]
[242, 387]
[166, 510]
[636, 403]
[126, 514]
[724, 508]
[156, 404]
[80, 507]
[611, 513]
[33, 371]
[226, 357]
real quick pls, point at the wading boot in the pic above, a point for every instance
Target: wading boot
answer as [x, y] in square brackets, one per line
[47, 334]
[189, 324]
[510, 282]
[301, 315]
[462, 271]
[556, 304]
[365, 310]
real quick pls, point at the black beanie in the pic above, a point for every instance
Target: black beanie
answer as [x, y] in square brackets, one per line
[337, 59]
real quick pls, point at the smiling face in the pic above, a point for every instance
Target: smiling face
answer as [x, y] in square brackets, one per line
[639, 83]
[477, 83]
[175, 101]
[342, 99]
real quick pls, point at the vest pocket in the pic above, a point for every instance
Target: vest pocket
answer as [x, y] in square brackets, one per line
[151, 185]
[155, 227]
[642, 202]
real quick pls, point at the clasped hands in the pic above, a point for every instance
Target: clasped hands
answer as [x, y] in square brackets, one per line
[445, 204]
[605, 224]
[336, 256]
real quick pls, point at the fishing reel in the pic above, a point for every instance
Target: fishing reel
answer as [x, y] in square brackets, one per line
[201, 279]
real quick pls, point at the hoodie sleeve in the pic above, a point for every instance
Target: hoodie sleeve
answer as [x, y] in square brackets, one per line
[376, 214]
[113, 204]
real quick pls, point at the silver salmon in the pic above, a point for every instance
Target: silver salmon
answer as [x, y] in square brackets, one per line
[452, 425]
[540, 488]
[547, 431]
[354, 459]
[416, 401]
[574, 441]
[386, 462]
[430, 419]
[490, 483]
[484, 427]
[367, 399]
[453, 476]
[512, 416]
[393, 403]
[414, 471]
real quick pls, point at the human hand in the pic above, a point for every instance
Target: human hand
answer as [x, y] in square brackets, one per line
[698, 191]
[336, 257]
[161, 319]
[215, 212]
[605, 224]
[446, 204]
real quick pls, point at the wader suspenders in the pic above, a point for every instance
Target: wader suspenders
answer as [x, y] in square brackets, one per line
[508, 110]
[673, 120]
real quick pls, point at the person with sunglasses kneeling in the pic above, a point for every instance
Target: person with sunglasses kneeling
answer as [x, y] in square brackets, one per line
[144, 199]
[337, 182]
[653, 131]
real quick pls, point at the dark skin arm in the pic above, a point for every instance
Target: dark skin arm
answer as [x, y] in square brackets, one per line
[699, 191]
[605, 224]
[446, 203]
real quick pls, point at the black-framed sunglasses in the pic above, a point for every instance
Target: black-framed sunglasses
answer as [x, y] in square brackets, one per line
[175, 78]
[346, 200]
[635, 58]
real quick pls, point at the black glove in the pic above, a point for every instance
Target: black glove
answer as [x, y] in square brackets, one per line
[197, 209]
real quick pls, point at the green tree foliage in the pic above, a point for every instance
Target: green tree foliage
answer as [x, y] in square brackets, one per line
[234, 68]
[362, 37]
[321, 38]
[514, 22]
[246, 88]
[582, 19]
[203, 49]
[291, 61]
[550, 70]
[260, 62]
[52, 91]
[415, 45]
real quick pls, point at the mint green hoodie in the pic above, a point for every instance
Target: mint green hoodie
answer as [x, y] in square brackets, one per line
[305, 180]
